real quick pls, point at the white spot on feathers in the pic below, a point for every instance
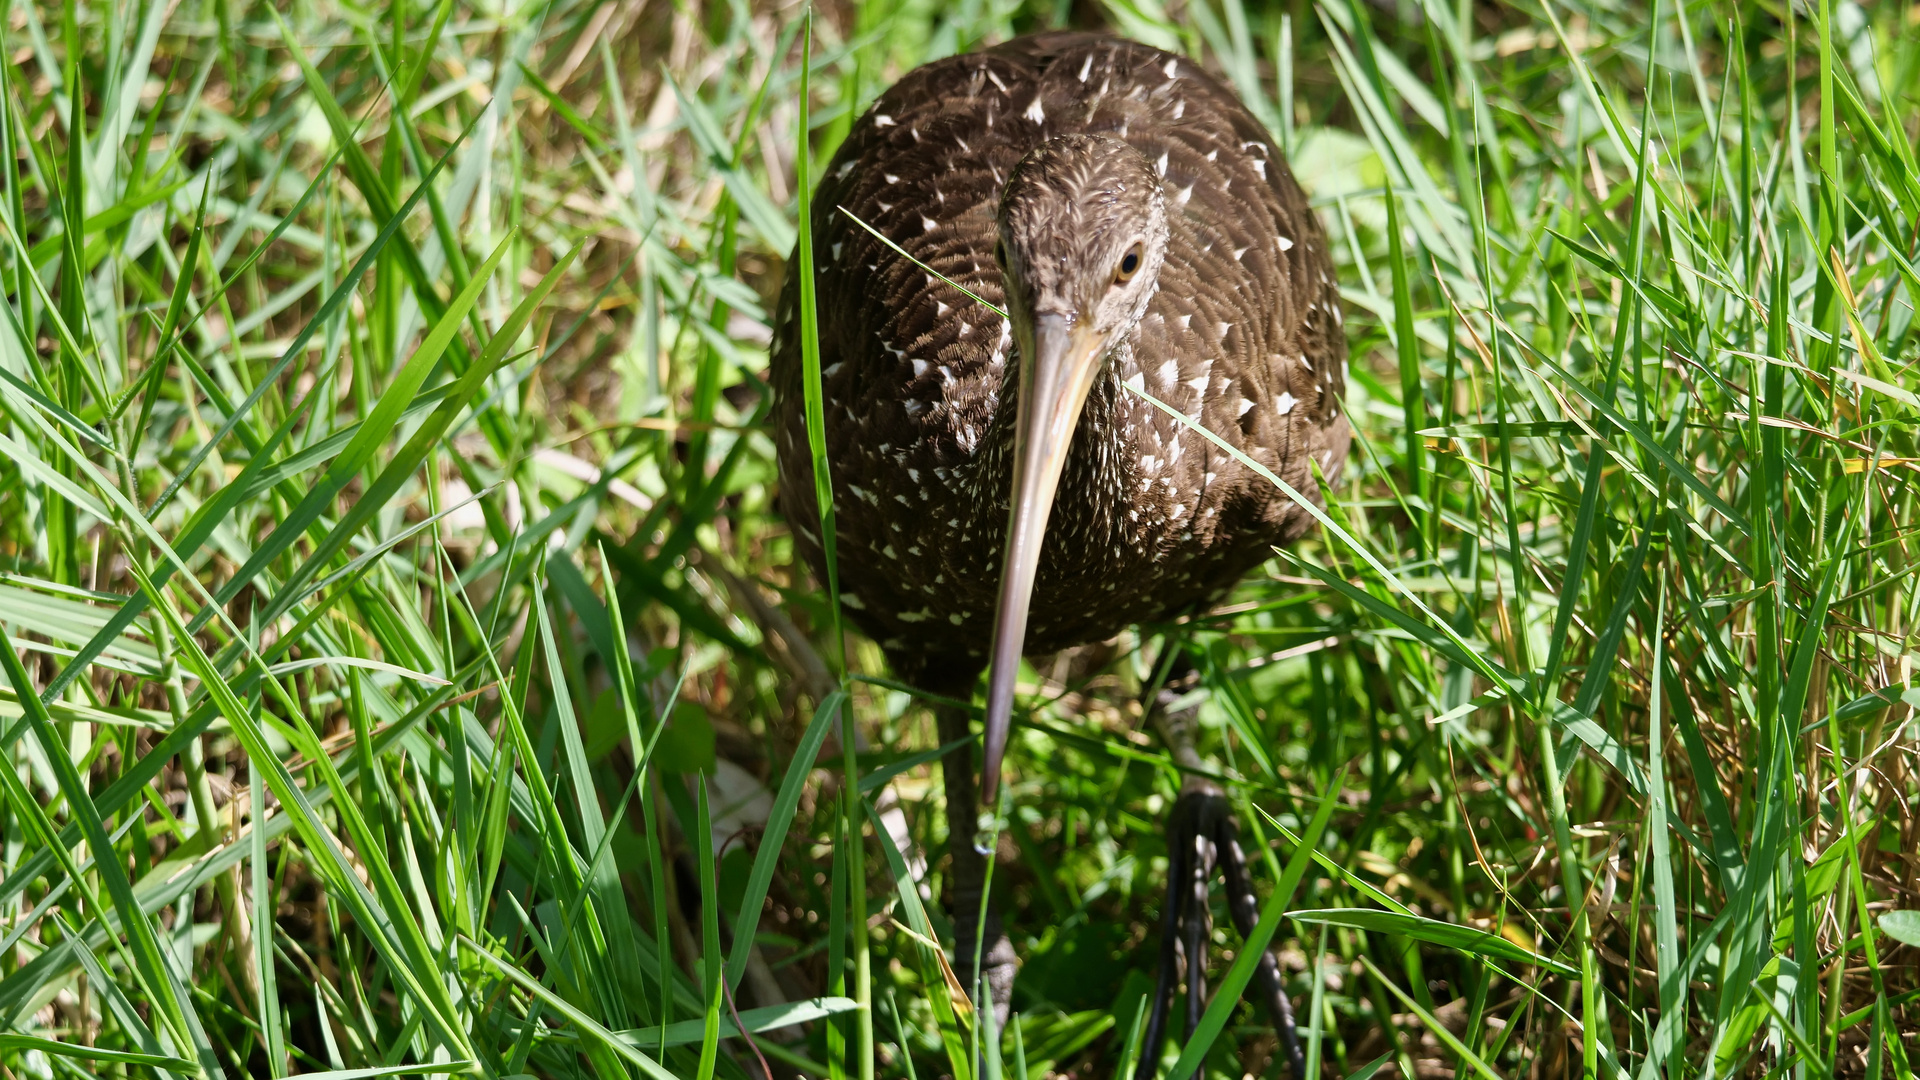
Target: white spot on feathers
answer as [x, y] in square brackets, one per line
[1244, 406]
[1286, 244]
[883, 120]
[1086, 68]
[1284, 404]
[1170, 69]
[1137, 381]
[928, 224]
[1035, 112]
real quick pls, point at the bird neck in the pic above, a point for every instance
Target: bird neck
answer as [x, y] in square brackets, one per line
[1089, 505]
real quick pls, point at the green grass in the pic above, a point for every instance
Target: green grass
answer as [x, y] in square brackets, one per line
[401, 612]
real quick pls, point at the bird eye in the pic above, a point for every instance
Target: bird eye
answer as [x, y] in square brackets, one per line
[1129, 266]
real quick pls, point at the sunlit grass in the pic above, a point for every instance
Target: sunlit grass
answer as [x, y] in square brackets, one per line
[398, 596]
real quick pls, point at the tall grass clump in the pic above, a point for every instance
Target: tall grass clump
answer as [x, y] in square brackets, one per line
[406, 671]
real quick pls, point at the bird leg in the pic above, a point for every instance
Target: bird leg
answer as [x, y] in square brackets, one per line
[970, 873]
[1201, 836]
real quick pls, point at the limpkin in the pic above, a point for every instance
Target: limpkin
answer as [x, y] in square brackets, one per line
[1140, 229]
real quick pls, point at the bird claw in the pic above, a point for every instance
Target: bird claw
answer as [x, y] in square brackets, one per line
[1202, 836]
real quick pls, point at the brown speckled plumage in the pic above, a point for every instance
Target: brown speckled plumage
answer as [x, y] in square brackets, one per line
[1242, 333]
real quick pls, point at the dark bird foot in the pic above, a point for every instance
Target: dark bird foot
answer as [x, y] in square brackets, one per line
[1201, 836]
[997, 960]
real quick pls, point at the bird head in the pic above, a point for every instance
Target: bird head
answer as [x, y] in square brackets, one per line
[1083, 233]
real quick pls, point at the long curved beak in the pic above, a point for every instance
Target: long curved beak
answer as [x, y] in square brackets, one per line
[1057, 370]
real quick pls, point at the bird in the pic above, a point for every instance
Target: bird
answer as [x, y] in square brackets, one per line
[1013, 250]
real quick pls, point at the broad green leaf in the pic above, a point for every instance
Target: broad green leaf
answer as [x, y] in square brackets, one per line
[1902, 926]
